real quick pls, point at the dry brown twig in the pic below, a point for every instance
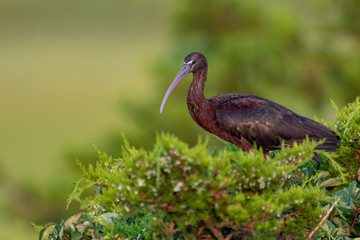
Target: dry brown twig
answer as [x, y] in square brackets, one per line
[322, 220]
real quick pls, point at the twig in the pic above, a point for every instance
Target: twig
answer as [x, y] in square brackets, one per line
[66, 236]
[216, 232]
[356, 214]
[322, 220]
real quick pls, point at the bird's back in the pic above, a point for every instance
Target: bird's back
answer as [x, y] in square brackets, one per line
[267, 123]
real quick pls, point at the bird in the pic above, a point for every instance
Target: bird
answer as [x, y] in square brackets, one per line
[245, 119]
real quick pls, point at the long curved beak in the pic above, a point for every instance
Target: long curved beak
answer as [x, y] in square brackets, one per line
[186, 69]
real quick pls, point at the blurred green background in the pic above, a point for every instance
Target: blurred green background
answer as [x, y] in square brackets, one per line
[72, 72]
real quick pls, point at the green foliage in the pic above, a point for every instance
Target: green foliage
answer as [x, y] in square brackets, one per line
[106, 226]
[132, 228]
[179, 192]
[192, 192]
[341, 224]
[79, 226]
[348, 127]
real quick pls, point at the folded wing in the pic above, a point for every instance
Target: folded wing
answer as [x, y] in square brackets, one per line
[268, 123]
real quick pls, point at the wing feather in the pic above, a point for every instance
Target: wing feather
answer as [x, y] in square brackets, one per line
[268, 123]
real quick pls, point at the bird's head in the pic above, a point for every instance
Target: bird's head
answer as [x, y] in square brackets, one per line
[192, 63]
[195, 61]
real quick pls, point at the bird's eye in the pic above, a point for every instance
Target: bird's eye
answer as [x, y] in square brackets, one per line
[192, 62]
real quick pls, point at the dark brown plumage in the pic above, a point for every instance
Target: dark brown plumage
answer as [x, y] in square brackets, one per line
[243, 119]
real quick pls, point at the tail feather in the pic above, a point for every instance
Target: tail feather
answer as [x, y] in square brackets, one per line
[316, 158]
[331, 144]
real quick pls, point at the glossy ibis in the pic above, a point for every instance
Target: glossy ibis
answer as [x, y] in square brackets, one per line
[243, 119]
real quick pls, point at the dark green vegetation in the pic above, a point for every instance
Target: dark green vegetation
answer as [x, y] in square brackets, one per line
[179, 192]
[348, 125]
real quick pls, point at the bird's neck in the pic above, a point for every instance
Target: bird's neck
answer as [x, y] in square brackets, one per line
[196, 100]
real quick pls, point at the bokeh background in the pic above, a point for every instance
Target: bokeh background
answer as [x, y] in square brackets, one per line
[75, 72]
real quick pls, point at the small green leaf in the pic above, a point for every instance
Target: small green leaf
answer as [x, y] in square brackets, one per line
[331, 182]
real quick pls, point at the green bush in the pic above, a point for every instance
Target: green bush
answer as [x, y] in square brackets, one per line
[194, 193]
[348, 127]
[179, 192]
[191, 192]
